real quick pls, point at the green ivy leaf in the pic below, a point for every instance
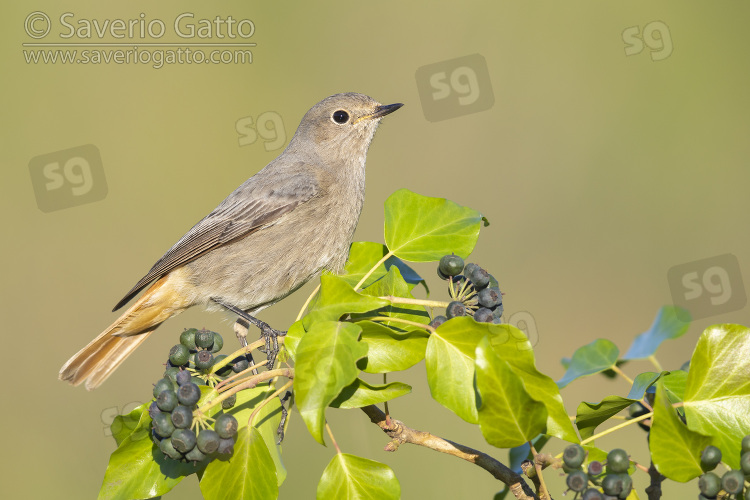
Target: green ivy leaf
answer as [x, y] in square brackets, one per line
[512, 345]
[351, 477]
[124, 425]
[364, 254]
[642, 382]
[667, 325]
[717, 396]
[359, 393]
[336, 298]
[267, 421]
[423, 229]
[250, 473]
[675, 382]
[590, 415]
[675, 449]
[393, 284]
[508, 415]
[449, 360]
[389, 350]
[138, 470]
[595, 357]
[326, 363]
[292, 338]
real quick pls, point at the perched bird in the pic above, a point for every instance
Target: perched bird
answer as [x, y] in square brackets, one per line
[280, 228]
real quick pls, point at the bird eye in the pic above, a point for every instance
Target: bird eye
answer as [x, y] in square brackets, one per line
[340, 116]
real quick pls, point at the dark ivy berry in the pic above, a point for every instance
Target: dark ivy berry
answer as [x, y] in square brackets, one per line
[451, 265]
[225, 426]
[183, 440]
[204, 339]
[483, 315]
[577, 480]
[710, 458]
[437, 321]
[218, 343]
[182, 417]
[226, 446]
[153, 409]
[441, 275]
[470, 269]
[592, 494]
[224, 370]
[208, 441]
[188, 394]
[595, 468]
[157, 439]
[709, 484]
[455, 309]
[187, 338]
[240, 364]
[612, 485]
[171, 373]
[162, 385]
[194, 455]
[479, 277]
[169, 450]
[203, 360]
[489, 297]
[573, 456]
[162, 425]
[229, 402]
[617, 461]
[745, 463]
[183, 377]
[733, 482]
[166, 400]
[179, 355]
[745, 444]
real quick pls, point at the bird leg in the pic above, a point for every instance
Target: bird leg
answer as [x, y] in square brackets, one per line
[269, 334]
[284, 414]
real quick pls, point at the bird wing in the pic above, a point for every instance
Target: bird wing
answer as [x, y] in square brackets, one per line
[260, 201]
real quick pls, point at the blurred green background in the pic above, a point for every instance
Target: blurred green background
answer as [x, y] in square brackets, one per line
[599, 171]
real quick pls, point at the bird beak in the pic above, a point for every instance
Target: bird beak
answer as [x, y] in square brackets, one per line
[381, 111]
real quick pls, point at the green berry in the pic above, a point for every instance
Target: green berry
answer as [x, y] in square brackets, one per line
[157, 439]
[179, 355]
[618, 461]
[182, 417]
[455, 309]
[612, 485]
[197, 381]
[194, 455]
[745, 444]
[183, 377]
[188, 394]
[204, 339]
[169, 450]
[171, 373]
[710, 458]
[226, 446]
[627, 485]
[225, 426]
[733, 482]
[162, 385]
[240, 364]
[218, 343]
[745, 463]
[709, 484]
[451, 265]
[162, 425]
[229, 402]
[187, 338]
[573, 456]
[203, 360]
[577, 480]
[208, 441]
[166, 400]
[183, 440]
[224, 370]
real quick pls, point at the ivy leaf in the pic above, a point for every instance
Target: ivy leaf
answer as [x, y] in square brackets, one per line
[592, 358]
[364, 254]
[336, 298]
[423, 229]
[389, 350]
[642, 382]
[293, 337]
[717, 396]
[351, 477]
[326, 363]
[393, 284]
[667, 325]
[138, 470]
[590, 415]
[675, 449]
[449, 361]
[250, 473]
[508, 415]
[359, 393]
[124, 425]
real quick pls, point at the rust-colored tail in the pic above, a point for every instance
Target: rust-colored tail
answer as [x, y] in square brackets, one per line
[96, 362]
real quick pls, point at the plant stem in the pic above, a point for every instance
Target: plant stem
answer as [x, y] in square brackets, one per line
[239, 352]
[372, 270]
[543, 492]
[245, 384]
[617, 427]
[307, 303]
[404, 321]
[417, 302]
[617, 370]
[267, 400]
[655, 362]
[333, 439]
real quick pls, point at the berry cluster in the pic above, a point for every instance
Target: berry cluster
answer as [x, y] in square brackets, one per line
[616, 483]
[474, 293]
[174, 430]
[732, 482]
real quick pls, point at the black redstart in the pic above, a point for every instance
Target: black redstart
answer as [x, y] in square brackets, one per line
[280, 228]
